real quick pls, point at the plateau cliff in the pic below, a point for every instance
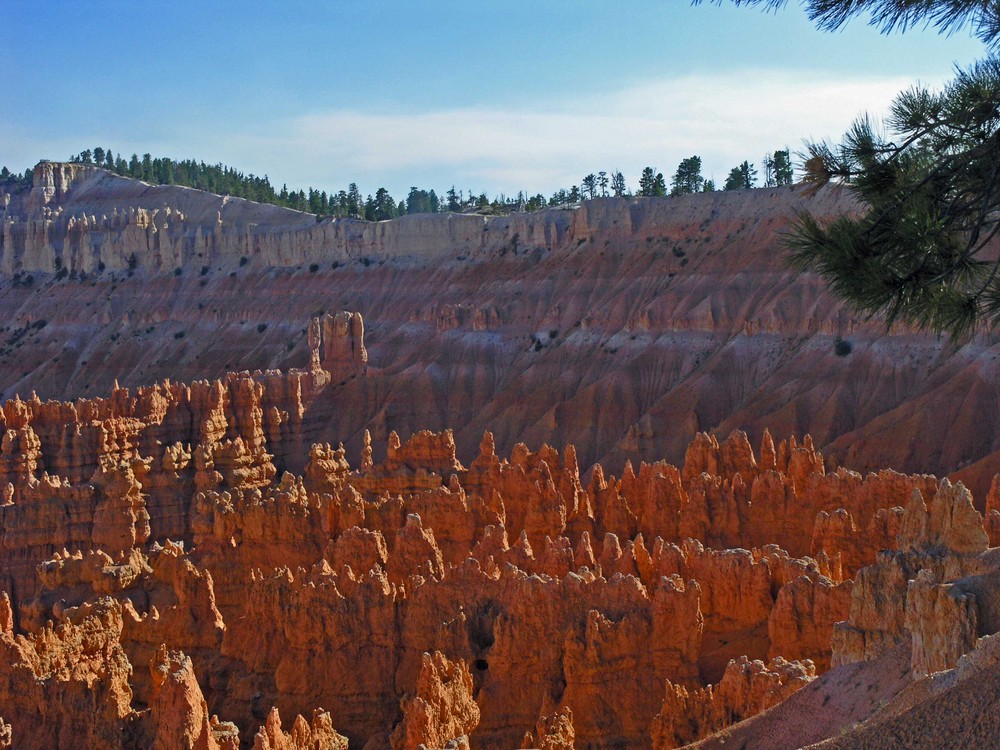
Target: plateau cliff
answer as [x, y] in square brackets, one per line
[623, 326]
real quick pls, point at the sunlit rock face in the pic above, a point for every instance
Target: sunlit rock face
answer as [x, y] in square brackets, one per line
[198, 592]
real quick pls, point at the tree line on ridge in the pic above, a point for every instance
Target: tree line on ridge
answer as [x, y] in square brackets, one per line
[350, 203]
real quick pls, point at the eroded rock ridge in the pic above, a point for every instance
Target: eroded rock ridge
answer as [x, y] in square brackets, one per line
[622, 326]
[166, 584]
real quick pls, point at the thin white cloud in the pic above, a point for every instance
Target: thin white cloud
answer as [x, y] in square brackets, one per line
[724, 119]
[544, 145]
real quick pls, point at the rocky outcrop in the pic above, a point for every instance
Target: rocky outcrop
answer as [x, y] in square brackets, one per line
[747, 688]
[341, 346]
[501, 602]
[316, 735]
[925, 593]
[441, 712]
[554, 732]
[179, 712]
[943, 623]
[68, 685]
[83, 478]
[802, 619]
[951, 523]
[271, 541]
[284, 584]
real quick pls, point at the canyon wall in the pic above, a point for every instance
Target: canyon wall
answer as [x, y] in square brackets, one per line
[623, 326]
[265, 481]
[165, 584]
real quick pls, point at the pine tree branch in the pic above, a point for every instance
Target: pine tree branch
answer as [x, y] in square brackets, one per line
[947, 16]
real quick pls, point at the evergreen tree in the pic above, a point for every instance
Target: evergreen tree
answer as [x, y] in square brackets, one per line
[651, 183]
[11, 181]
[687, 178]
[355, 206]
[922, 250]
[618, 187]
[536, 203]
[768, 164]
[783, 174]
[708, 187]
[742, 177]
[418, 201]
[384, 207]
[777, 169]
[165, 171]
[734, 181]
[338, 204]
[646, 181]
[946, 15]
[225, 180]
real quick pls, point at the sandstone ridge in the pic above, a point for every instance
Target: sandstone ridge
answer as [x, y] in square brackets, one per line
[169, 581]
[679, 312]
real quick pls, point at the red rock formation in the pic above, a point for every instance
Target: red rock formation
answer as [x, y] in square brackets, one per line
[627, 360]
[992, 521]
[68, 686]
[943, 621]
[318, 735]
[747, 688]
[6, 615]
[441, 709]
[907, 595]
[327, 468]
[342, 343]
[217, 519]
[554, 731]
[563, 610]
[424, 462]
[179, 712]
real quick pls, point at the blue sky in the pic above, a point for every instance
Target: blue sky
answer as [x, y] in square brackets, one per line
[489, 96]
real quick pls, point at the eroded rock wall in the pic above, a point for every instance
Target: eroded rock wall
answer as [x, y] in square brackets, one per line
[419, 599]
[622, 327]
